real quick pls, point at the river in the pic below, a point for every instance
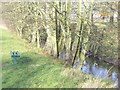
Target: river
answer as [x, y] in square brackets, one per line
[97, 68]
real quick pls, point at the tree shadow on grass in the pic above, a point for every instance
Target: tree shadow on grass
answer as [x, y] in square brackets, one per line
[28, 58]
[22, 71]
[25, 75]
[24, 60]
[20, 74]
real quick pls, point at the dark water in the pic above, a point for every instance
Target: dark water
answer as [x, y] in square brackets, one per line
[99, 69]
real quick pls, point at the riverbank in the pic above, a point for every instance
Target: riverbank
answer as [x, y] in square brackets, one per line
[35, 69]
[113, 61]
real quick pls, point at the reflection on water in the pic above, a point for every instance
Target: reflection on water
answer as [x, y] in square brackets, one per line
[96, 68]
[100, 70]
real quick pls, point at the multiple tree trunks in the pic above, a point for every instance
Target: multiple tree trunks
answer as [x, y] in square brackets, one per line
[49, 24]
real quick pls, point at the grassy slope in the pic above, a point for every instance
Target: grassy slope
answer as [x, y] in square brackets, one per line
[35, 70]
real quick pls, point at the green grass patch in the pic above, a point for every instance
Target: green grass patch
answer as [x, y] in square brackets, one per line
[34, 70]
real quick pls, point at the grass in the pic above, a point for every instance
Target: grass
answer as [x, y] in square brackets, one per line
[36, 70]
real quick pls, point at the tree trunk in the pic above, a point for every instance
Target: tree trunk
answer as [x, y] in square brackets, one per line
[38, 39]
[33, 35]
[57, 31]
[80, 31]
[68, 31]
[86, 37]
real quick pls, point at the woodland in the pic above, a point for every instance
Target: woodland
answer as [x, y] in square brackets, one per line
[67, 31]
